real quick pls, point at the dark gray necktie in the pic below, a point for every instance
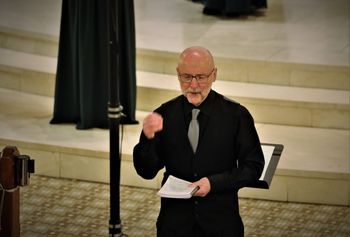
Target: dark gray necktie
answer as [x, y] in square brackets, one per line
[193, 130]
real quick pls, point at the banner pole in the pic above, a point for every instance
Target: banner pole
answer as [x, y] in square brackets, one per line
[114, 115]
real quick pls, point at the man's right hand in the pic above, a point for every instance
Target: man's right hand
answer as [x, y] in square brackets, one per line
[151, 124]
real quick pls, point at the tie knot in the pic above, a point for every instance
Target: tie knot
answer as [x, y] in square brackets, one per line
[195, 113]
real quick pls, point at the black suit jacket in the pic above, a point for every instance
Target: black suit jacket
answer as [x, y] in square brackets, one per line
[229, 154]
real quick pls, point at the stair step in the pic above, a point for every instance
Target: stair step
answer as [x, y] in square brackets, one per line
[255, 71]
[313, 159]
[231, 69]
[251, 90]
[28, 42]
[296, 106]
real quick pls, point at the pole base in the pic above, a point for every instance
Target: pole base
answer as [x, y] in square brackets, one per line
[115, 230]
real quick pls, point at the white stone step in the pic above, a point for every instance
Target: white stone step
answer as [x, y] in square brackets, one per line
[48, 65]
[231, 68]
[251, 90]
[314, 167]
[309, 107]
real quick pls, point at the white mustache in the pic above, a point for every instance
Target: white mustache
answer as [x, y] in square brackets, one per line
[191, 90]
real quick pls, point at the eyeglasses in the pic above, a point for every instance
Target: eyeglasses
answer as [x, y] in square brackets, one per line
[201, 78]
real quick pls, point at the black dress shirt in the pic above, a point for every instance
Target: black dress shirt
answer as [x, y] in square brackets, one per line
[229, 154]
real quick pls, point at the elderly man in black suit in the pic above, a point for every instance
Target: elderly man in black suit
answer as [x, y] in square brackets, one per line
[227, 155]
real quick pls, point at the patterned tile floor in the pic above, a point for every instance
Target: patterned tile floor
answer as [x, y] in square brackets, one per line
[63, 207]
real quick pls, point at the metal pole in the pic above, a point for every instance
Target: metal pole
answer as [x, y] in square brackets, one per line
[114, 115]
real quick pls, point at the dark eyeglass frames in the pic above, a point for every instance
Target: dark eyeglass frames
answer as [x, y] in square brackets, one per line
[201, 78]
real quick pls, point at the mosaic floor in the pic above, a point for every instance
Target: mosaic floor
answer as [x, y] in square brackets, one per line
[63, 207]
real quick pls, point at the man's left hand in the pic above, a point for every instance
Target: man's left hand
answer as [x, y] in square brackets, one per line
[204, 187]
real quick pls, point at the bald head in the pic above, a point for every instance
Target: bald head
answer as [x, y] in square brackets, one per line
[196, 57]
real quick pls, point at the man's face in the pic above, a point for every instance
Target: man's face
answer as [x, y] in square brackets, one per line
[196, 91]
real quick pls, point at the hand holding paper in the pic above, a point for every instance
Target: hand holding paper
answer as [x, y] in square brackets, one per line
[177, 188]
[204, 187]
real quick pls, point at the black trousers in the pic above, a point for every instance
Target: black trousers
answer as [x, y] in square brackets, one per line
[236, 230]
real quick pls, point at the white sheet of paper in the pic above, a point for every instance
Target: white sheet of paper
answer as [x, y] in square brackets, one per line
[268, 151]
[176, 188]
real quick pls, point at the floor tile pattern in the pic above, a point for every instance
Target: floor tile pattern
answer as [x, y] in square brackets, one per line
[64, 207]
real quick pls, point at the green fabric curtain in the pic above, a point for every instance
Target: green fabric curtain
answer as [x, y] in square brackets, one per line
[81, 92]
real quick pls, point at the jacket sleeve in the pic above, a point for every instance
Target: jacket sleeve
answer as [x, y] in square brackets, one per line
[145, 156]
[249, 155]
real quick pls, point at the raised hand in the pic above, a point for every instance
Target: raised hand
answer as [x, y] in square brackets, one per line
[151, 124]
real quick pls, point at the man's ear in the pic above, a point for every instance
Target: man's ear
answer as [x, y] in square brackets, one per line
[214, 74]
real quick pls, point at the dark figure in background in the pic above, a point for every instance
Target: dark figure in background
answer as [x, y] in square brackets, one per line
[228, 155]
[232, 8]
